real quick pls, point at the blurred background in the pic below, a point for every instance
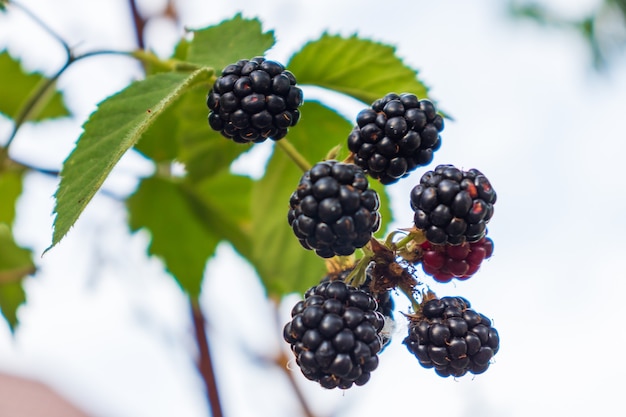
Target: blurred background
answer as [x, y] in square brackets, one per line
[537, 92]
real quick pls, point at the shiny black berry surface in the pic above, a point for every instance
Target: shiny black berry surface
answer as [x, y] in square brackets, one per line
[333, 211]
[253, 100]
[397, 134]
[334, 334]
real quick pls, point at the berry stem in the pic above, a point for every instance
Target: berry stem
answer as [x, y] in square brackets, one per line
[408, 292]
[293, 154]
[205, 362]
[415, 235]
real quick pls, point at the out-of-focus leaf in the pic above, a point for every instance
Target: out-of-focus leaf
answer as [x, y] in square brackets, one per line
[117, 125]
[178, 228]
[15, 263]
[228, 42]
[10, 190]
[12, 296]
[363, 69]
[225, 201]
[18, 87]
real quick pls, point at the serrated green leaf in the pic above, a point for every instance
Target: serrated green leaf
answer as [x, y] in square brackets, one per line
[282, 263]
[10, 190]
[361, 68]
[177, 227]
[228, 42]
[15, 264]
[183, 134]
[18, 87]
[117, 125]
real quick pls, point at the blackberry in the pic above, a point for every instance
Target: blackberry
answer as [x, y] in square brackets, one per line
[333, 211]
[334, 334]
[445, 262]
[253, 100]
[452, 338]
[397, 134]
[453, 206]
[384, 301]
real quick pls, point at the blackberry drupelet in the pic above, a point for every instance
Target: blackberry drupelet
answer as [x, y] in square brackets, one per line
[453, 206]
[334, 334]
[397, 134]
[333, 211]
[253, 100]
[452, 338]
[445, 262]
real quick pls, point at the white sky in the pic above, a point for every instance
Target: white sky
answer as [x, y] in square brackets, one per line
[111, 331]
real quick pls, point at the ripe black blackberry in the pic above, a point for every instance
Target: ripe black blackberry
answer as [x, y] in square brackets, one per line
[333, 211]
[334, 334]
[453, 206]
[384, 302]
[253, 100]
[397, 134]
[452, 338]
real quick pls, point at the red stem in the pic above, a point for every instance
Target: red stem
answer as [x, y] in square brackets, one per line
[205, 362]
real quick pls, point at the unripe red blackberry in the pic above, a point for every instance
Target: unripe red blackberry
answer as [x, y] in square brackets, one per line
[334, 334]
[445, 262]
[453, 206]
[333, 211]
[253, 100]
[397, 134]
[452, 338]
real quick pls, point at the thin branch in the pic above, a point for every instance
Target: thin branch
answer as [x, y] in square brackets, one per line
[139, 24]
[205, 362]
[282, 361]
[44, 26]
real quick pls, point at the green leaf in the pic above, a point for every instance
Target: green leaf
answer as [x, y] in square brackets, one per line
[226, 205]
[282, 263]
[18, 87]
[10, 190]
[12, 296]
[15, 263]
[363, 69]
[177, 226]
[117, 125]
[228, 42]
[183, 134]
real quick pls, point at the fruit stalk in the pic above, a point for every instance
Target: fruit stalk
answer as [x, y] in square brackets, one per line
[293, 154]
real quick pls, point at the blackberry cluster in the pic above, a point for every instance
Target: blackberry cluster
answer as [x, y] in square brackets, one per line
[452, 338]
[397, 134]
[253, 100]
[453, 206]
[334, 334]
[444, 262]
[333, 211]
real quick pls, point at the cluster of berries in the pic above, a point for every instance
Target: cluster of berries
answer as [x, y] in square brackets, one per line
[341, 326]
